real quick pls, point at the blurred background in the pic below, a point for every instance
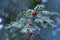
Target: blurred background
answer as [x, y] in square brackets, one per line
[9, 9]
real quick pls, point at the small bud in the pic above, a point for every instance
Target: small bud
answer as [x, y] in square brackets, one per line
[30, 33]
[34, 13]
[30, 24]
[44, 21]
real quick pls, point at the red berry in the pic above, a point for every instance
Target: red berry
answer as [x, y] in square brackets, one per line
[30, 33]
[34, 13]
[44, 21]
[30, 24]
